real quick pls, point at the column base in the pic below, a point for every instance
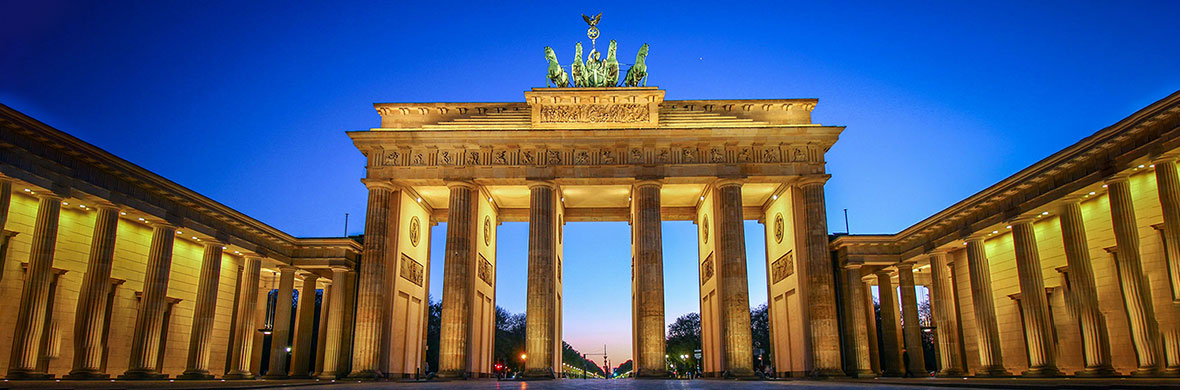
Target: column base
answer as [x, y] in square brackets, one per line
[366, 375]
[86, 375]
[1147, 372]
[651, 374]
[276, 376]
[892, 373]
[993, 372]
[865, 373]
[327, 375]
[142, 375]
[307, 376]
[1172, 371]
[539, 373]
[951, 373]
[195, 375]
[1097, 372]
[828, 373]
[741, 373]
[453, 374]
[1043, 372]
[27, 375]
[239, 376]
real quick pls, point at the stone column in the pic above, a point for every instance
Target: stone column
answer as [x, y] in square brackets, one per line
[200, 341]
[890, 347]
[344, 363]
[458, 280]
[366, 351]
[304, 326]
[991, 357]
[542, 286]
[335, 330]
[92, 299]
[733, 286]
[1038, 328]
[244, 328]
[942, 304]
[34, 296]
[1136, 290]
[5, 236]
[149, 320]
[1167, 182]
[1095, 339]
[823, 325]
[860, 332]
[912, 330]
[322, 333]
[280, 336]
[871, 325]
[649, 273]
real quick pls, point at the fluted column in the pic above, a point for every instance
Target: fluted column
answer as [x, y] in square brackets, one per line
[149, 321]
[304, 326]
[823, 324]
[200, 340]
[244, 328]
[1167, 182]
[542, 285]
[34, 296]
[1136, 290]
[733, 284]
[991, 357]
[890, 347]
[911, 330]
[860, 333]
[649, 272]
[366, 350]
[335, 330]
[1038, 328]
[458, 280]
[92, 299]
[1095, 339]
[947, 326]
[322, 333]
[280, 336]
[871, 324]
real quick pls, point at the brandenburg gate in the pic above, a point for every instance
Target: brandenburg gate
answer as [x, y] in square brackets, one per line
[594, 154]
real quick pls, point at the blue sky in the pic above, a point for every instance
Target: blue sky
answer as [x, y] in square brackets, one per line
[248, 102]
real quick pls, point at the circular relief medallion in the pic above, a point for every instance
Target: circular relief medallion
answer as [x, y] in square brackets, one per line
[705, 229]
[487, 231]
[778, 228]
[415, 230]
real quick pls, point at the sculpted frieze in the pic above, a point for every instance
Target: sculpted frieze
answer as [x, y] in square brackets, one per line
[584, 156]
[595, 113]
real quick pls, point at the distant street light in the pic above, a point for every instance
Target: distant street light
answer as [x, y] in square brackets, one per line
[523, 356]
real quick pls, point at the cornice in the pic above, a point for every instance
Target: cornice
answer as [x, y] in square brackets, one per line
[1089, 161]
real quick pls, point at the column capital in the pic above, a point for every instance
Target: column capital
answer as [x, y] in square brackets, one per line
[211, 242]
[904, 266]
[1022, 219]
[541, 183]
[976, 237]
[1120, 177]
[305, 274]
[883, 271]
[452, 184]
[1164, 158]
[339, 269]
[728, 182]
[379, 183]
[853, 265]
[812, 180]
[644, 182]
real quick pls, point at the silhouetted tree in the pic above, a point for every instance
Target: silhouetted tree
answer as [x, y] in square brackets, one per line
[433, 331]
[684, 338]
[760, 335]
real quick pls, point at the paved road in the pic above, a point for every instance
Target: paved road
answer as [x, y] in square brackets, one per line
[603, 384]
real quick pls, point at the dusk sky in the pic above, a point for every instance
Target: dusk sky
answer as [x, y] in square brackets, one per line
[248, 102]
